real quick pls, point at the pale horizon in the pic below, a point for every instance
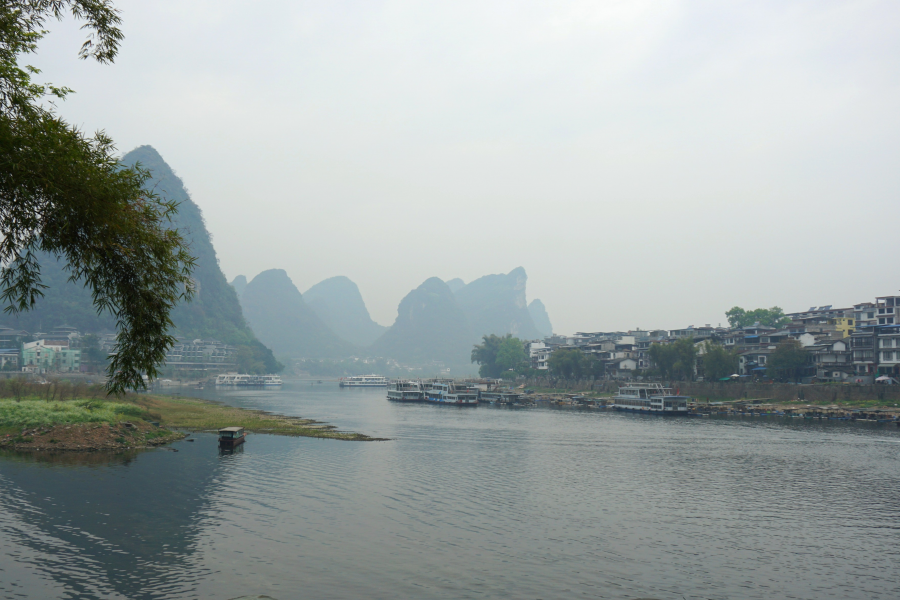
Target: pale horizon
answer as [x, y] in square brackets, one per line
[649, 164]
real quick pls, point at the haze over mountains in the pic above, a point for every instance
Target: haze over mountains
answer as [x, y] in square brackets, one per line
[214, 313]
[437, 322]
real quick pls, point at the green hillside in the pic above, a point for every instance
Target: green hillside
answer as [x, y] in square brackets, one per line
[214, 313]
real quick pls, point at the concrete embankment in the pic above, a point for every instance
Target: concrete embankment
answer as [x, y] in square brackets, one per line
[730, 390]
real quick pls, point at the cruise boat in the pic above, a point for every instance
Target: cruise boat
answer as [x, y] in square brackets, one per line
[406, 391]
[243, 379]
[650, 398]
[364, 381]
[448, 394]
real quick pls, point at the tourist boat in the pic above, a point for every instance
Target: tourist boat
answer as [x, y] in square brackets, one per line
[448, 394]
[230, 437]
[509, 398]
[406, 391]
[650, 398]
[364, 381]
[243, 379]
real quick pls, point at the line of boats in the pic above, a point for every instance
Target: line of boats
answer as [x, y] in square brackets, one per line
[644, 398]
[243, 379]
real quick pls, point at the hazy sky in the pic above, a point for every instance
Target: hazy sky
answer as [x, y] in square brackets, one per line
[650, 164]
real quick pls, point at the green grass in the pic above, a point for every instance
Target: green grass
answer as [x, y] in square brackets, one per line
[30, 413]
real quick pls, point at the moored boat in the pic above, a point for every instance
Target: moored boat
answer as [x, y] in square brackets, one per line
[364, 381]
[243, 379]
[650, 398]
[406, 391]
[446, 393]
[229, 437]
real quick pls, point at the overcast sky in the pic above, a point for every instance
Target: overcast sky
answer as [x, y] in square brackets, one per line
[649, 164]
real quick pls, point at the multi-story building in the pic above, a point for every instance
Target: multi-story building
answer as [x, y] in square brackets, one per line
[832, 360]
[9, 359]
[864, 314]
[50, 356]
[539, 353]
[201, 355]
[887, 310]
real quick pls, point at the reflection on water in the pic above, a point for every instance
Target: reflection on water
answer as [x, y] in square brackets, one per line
[465, 503]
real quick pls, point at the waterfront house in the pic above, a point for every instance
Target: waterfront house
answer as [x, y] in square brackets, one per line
[832, 360]
[50, 356]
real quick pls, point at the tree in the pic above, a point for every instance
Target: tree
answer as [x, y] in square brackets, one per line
[787, 361]
[66, 194]
[675, 361]
[718, 361]
[768, 317]
[569, 363]
[485, 354]
[511, 355]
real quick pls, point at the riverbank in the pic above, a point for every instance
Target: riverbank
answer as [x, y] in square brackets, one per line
[137, 421]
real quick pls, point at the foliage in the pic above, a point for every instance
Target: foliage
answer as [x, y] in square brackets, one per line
[675, 361]
[767, 317]
[501, 356]
[568, 363]
[257, 359]
[66, 195]
[787, 361]
[30, 413]
[718, 362]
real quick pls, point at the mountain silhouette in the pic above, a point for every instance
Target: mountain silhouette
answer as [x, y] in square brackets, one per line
[540, 318]
[340, 306]
[278, 314]
[430, 326]
[495, 304]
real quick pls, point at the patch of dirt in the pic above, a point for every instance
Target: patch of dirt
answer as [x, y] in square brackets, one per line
[86, 437]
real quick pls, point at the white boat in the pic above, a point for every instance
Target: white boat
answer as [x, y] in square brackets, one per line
[243, 379]
[364, 381]
[448, 394]
[406, 391]
[650, 398]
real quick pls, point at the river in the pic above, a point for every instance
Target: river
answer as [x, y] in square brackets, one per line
[465, 503]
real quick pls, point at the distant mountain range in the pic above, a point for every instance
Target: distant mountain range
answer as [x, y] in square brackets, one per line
[430, 326]
[214, 313]
[283, 320]
[436, 322]
[339, 304]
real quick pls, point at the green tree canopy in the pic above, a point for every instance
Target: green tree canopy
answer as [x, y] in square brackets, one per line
[718, 361]
[66, 194]
[498, 354]
[787, 361]
[768, 317]
[675, 361]
[569, 363]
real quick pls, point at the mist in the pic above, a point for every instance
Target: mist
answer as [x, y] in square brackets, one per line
[649, 164]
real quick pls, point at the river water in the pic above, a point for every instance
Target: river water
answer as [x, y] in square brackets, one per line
[465, 503]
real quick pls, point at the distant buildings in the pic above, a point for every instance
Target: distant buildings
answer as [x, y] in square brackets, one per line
[857, 344]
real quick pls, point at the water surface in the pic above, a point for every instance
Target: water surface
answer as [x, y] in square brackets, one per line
[465, 503]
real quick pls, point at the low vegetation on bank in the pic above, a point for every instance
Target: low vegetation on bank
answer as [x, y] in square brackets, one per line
[65, 416]
[203, 415]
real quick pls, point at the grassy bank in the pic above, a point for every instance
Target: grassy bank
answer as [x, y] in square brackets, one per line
[202, 415]
[38, 422]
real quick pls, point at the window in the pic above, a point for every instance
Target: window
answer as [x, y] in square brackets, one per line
[887, 356]
[762, 360]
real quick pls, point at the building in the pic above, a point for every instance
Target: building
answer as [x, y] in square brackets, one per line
[832, 360]
[201, 355]
[9, 359]
[539, 354]
[888, 310]
[50, 356]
